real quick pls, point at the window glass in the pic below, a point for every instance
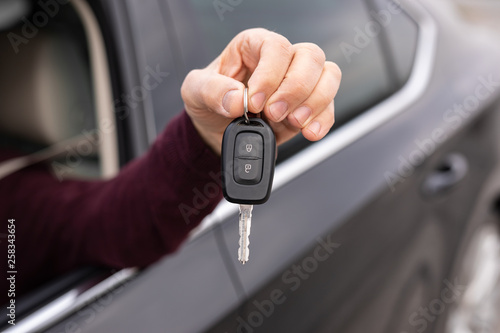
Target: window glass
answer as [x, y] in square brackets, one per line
[333, 25]
[401, 34]
[375, 58]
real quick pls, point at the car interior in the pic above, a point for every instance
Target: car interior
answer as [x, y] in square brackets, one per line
[46, 87]
[47, 98]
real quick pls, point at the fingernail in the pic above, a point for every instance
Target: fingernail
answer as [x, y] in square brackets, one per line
[278, 110]
[258, 101]
[228, 100]
[315, 127]
[302, 114]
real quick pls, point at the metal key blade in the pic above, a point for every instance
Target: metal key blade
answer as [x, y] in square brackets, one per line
[245, 224]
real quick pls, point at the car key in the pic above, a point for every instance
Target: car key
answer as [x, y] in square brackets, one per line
[248, 161]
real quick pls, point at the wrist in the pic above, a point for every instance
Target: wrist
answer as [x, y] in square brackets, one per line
[213, 141]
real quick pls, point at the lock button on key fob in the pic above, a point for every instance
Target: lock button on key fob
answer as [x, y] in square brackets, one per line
[249, 153]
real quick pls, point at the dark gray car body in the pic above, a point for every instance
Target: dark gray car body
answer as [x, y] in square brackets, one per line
[362, 230]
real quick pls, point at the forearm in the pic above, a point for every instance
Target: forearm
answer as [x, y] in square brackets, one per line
[131, 220]
[166, 194]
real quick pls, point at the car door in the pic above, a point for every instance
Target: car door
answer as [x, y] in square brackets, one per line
[363, 229]
[361, 235]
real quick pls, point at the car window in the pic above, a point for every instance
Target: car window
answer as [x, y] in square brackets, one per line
[326, 23]
[399, 37]
[375, 61]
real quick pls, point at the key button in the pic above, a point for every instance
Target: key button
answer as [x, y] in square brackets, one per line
[249, 145]
[247, 172]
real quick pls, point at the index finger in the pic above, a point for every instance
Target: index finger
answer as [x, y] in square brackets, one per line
[274, 54]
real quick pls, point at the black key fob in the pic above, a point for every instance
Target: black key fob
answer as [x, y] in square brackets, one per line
[248, 161]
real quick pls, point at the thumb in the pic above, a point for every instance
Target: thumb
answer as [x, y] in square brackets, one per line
[205, 89]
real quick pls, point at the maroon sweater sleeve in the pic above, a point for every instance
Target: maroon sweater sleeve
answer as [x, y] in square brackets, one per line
[134, 219]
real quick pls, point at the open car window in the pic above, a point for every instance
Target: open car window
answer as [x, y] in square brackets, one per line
[364, 37]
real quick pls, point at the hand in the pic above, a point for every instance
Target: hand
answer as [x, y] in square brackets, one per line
[292, 85]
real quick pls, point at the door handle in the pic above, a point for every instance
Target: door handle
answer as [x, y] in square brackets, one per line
[451, 171]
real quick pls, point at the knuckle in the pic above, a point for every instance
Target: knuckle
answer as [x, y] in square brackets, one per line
[248, 33]
[334, 68]
[275, 39]
[260, 29]
[187, 85]
[284, 44]
[268, 79]
[324, 97]
[331, 114]
[299, 90]
[207, 91]
[315, 52]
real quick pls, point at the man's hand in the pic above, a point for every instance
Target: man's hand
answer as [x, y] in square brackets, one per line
[292, 85]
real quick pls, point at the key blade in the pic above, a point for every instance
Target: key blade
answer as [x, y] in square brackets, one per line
[245, 224]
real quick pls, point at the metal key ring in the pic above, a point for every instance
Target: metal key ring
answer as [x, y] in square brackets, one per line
[245, 105]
